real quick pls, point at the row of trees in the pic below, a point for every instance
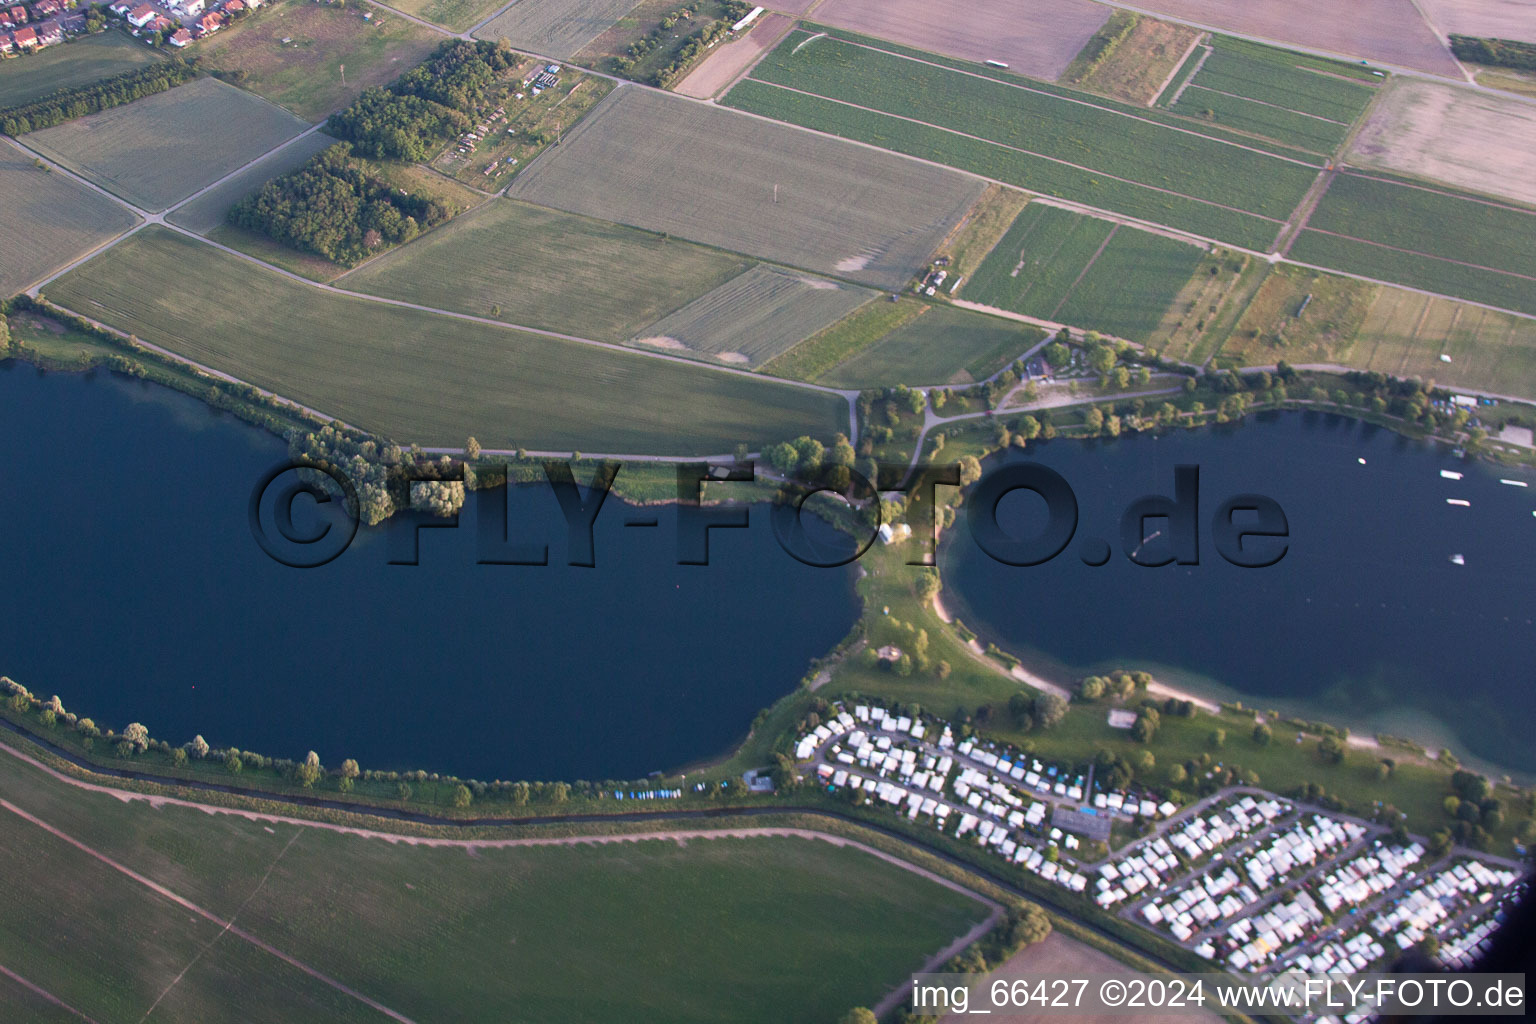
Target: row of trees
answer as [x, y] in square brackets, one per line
[333, 208]
[422, 109]
[1504, 53]
[68, 104]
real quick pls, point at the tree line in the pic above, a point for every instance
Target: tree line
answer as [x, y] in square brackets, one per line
[427, 106]
[333, 208]
[68, 104]
[1503, 53]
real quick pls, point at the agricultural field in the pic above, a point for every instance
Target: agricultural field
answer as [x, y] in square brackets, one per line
[208, 210]
[1090, 273]
[647, 44]
[1405, 333]
[674, 932]
[1275, 325]
[49, 219]
[1490, 19]
[526, 124]
[553, 28]
[80, 62]
[162, 148]
[728, 60]
[1426, 238]
[812, 358]
[1466, 138]
[332, 54]
[945, 345]
[542, 268]
[1037, 39]
[982, 228]
[1142, 61]
[1206, 310]
[1266, 92]
[754, 317]
[1034, 136]
[426, 378]
[686, 169]
[1391, 31]
[458, 15]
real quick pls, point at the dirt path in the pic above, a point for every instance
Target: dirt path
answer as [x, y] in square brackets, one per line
[181, 901]
[734, 59]
[43, 993]
[939, 959]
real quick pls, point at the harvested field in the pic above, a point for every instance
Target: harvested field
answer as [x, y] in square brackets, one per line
[554, 28]
[458, 15]
[1083, 271]
[755, 317]
[1490, 19]
[672, 165]
[543, 268]
[80, 62]
[306, 73]
[1275, 326]
[49, 221]
[1405, 334]
[1391, 31]
[729, 60]
[157, 150]
[424, 378]
[207, 211]
[1038, 39]
[1465, 137]
[1138, 67]
[945, 345]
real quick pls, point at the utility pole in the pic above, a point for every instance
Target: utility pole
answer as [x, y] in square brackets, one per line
[775, 193]
[343, 74]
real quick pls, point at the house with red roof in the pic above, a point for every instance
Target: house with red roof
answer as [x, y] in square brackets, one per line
[46, 8]
[6, 46]
[181, 38]
[210, 23]
[141, 15]
[26, 38]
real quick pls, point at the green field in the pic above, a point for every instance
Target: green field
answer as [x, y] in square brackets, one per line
[1087, 149]
[547, 269]
[331, 54]
[1086, 272]
[672, 165]
[459, 15]
[80, 62]
[642, 931]
[1432, 222]
[812, 358]
[945, 345]
[554, 28]
[49, 221]
[1274, 325]
[1276, 94]
[162, 148]
[208, 210]
[756, 316]
[1437, 275]
[423, 378]
[1405, 333]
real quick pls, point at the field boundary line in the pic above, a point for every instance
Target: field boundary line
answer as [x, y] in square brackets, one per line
[1426, 255]
[43, 993]
[1084, 272]
[241, 169]
[1209, 49]
[1014, 149]
[1266, 103]
[186, 904]
[1288, 261]
[1080, 102]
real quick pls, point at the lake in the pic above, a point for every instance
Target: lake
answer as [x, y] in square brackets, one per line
[135, 591]
[1366, 621]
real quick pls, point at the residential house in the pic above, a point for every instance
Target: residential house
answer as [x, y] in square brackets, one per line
[234, 7]
[49, 33]
[18, 15]
[6, 46]
[26, 38]
[181, 38]
[192, 8]
[46, 8]
[121, 7]
[73, 22]
[251, 5]
[161, 24]
[210, 23]
[141, 16]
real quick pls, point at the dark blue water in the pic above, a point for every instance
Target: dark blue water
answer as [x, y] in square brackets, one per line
[1366, 620]
[133, 589]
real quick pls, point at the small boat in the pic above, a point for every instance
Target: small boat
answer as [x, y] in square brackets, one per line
[996, 63]
[1515, 483]
[1361, 460]
[1463, 502]
[1450, 474]
[1458, 560]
